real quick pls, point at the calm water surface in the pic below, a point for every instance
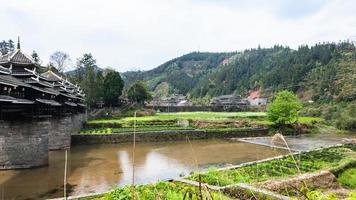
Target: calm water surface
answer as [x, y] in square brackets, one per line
[97, 168]
[305, 142]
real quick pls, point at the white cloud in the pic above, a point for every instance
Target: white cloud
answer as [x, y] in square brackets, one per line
[128, 34]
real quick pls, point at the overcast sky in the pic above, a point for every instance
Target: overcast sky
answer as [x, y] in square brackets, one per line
[142, 34]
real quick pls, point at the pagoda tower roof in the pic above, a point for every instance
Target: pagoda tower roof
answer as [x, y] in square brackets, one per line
[16, 57]
[51, 76]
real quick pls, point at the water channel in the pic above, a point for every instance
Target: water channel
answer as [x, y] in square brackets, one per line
[98, 168]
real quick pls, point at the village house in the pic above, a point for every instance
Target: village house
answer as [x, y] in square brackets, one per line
[174, 100]
[255, 99]
[228, 100]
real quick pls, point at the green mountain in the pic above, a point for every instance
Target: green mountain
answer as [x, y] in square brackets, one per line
[181, 73]
[321, 72]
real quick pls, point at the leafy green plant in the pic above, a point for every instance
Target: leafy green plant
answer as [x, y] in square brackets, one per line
[346, 119]
[317, 195]
[352, 196]
[164, 191]
[348, 178]
[284, 108]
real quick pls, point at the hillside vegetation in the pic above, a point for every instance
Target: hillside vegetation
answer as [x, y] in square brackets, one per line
[322, 72]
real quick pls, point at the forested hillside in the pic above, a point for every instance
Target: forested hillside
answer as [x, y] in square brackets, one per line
[181, 73]
[321, 72]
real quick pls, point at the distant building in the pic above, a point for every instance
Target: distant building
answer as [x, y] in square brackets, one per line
[178, 100]
[228, 100]
[255, 99]
[258, 101]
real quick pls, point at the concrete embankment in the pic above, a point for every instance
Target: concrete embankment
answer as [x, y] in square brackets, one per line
[162, 136]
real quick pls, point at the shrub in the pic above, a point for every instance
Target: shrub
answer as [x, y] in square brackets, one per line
[346, 119]
[348, 178]
[284, 108]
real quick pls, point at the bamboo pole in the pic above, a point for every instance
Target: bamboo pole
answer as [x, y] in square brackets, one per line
[133, 159]
[65, 175]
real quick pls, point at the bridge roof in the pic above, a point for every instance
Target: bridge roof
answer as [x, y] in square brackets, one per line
[16, 57]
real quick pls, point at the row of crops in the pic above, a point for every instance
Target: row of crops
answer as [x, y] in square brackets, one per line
[157, 125]
[130, 129]
[128, 126]
[163, 121]
[161, 190]
[287, 166]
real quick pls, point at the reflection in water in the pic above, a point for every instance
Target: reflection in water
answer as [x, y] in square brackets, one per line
[97, 168]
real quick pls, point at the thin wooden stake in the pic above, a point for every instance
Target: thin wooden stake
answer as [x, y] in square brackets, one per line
[65, 175]
[2, 193]
[133, 159]
[200, 190]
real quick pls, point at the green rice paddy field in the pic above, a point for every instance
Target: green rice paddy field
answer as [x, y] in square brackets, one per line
[171, 121]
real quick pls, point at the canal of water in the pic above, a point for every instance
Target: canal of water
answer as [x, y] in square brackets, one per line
[98, 168]
[303, 142]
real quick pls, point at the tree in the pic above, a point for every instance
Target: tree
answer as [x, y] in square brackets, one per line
[346, 117]
[161, 90]
[284, 108]
[60, 60]
[112, 88]
[99, 79]
[107, 70]
[86, 76]
[139, 93]
[36, 57]
[6, 47]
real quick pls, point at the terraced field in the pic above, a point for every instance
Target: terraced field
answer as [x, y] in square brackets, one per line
[213, 121]
[329, 158]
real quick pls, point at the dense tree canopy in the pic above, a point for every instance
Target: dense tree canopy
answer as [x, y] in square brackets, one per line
[112, 87]
[98, 84]
[284, 108]
[138, 92]
[36, 58]
[6, 46]
[86, 76]
[325, 71]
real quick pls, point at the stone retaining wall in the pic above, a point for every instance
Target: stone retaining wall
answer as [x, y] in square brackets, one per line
[163, 136]
[61, 130]
[23, 144]
[59, 135]
[321, 179]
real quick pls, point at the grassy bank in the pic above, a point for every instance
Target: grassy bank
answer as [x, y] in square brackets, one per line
[207, 121]
[160, 190]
